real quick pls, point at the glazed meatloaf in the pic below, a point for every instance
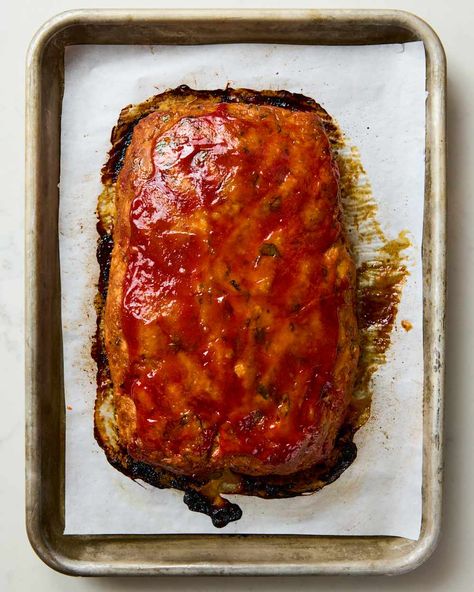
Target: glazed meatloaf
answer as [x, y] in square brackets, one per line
[228, 331]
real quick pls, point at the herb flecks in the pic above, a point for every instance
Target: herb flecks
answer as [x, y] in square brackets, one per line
[263, 391]
[176, 344]
[296, 307]
[260, 335]
[269, 250]
[275, 204]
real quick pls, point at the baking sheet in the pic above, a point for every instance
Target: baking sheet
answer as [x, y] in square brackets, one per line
[377, 93]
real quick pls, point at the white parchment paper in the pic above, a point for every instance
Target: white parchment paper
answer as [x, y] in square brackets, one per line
[377, 94]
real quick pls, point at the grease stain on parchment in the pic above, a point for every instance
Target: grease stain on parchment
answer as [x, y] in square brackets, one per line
[381, 268]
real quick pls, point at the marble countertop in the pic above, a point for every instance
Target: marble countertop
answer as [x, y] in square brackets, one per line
[451, 566]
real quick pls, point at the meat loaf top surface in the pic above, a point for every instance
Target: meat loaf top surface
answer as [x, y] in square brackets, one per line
[230, 320]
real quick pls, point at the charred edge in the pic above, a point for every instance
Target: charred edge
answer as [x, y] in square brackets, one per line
[105, 244]
[307, 481]
[123, 131]
[159, 477]
[268, 487]
[117, 155]
[347, 456]
[281, 98]
[220, 514]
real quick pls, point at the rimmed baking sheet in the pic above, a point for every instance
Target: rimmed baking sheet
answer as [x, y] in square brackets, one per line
[133, 554]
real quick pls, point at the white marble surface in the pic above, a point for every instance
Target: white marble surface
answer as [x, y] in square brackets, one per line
[451, 567]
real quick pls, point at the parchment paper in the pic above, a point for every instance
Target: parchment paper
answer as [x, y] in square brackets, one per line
[377, 94]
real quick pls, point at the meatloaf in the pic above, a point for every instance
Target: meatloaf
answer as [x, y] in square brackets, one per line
[228, 329]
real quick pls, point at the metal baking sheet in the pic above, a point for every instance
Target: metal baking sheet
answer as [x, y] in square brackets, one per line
[207, 554]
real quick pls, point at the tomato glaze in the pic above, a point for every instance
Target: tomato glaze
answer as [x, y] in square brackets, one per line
[231, 293]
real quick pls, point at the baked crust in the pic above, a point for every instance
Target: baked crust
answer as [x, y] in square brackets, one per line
[228, 345]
